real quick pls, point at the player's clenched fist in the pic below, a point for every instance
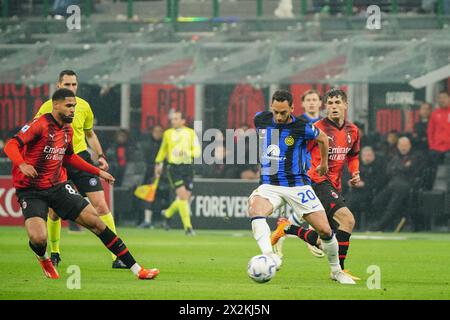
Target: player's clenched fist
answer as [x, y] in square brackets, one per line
[28, 170]
[355, 179]
[322, 169]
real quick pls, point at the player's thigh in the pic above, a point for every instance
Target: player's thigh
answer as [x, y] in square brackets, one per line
[264, 200]
[259, 206]
[33, 204]
[179, 176]
[303, 200]
[183, 193]
[66, 201]
[89, 219]
[331, 200]
[98, 200]
[36, 229]
[344, 217]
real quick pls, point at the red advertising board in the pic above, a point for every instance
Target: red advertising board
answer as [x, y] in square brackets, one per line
[19, 103]
[10, 212]
[245, 101]
[159, 99]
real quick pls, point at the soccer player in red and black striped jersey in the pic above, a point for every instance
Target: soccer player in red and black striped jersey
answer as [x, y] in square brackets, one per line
[344, 145]
[38, 153]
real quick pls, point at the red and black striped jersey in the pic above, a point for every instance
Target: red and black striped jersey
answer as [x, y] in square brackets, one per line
[343, 147]
[43, 145]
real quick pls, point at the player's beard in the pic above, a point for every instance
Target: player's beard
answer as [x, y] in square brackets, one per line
[66, 119]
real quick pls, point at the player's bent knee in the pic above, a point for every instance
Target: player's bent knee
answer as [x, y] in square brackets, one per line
[346, 220]
[39, 239]
[101, 208]
[95, 225]
[52, 215]
[182, 193]
[98, 227]
[324, 232]
[90, 220]
[259, 206]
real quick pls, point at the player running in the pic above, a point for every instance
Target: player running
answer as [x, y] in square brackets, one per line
[87, 184]
[311, 102]
[180, 146]
[344, 147]
[282, 139]
[38, 152]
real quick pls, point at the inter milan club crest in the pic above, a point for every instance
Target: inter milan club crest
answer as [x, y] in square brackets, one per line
[289, 141]
[334, 195]
[24, 205]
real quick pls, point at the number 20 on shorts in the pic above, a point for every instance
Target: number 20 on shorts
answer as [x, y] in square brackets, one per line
[306, 196]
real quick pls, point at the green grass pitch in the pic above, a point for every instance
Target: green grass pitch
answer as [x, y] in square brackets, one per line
[212, 265]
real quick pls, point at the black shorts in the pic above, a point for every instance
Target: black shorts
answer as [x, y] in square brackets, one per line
[181, 175]
[85, 182]
[62, 198]
[332, 200]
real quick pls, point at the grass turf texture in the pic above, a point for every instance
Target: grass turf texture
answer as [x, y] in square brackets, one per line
[213, 265]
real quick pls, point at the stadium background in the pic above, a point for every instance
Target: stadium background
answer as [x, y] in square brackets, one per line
[219, 62]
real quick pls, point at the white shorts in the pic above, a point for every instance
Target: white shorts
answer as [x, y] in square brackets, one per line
[302, 199]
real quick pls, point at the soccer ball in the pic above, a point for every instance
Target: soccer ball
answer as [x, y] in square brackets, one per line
[261, 268]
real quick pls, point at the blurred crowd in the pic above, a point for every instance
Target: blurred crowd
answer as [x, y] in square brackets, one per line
[396, 166]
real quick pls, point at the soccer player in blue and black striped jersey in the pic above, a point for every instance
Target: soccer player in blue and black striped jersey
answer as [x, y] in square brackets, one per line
[311, 103]
[283, 159]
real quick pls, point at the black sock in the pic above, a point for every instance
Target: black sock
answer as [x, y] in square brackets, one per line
[307, 235]
[39, 250]
[343, 239]
[116, 246]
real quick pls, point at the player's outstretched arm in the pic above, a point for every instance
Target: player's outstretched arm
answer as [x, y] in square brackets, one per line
[322, 140]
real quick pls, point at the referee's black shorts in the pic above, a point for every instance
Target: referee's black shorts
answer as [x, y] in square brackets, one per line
[181, 175]
[85, 182]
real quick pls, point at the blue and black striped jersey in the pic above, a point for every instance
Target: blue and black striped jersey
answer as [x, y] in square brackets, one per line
[282, 150]
[309, 119]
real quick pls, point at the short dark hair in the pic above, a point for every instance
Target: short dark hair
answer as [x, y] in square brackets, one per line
[444, 92]
[283, 95]
[62, 94]
[311, 91]
[335, 92]
[181, 113]
[66, 73]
